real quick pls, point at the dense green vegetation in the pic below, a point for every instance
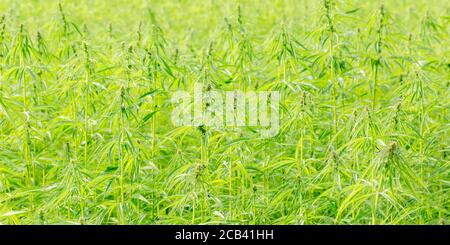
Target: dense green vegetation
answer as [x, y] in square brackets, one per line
[86, 135]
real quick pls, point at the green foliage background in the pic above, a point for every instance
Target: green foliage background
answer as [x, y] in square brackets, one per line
[86, 136]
